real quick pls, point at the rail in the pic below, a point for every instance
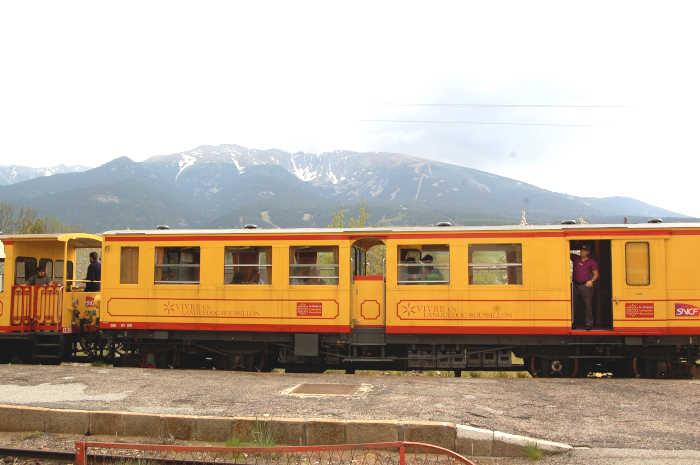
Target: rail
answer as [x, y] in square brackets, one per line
[379, 453]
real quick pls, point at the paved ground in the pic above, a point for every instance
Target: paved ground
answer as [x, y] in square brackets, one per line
[605, 413]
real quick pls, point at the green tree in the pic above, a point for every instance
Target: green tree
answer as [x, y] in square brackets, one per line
[23, 220]
[338, 219]
[360, 221]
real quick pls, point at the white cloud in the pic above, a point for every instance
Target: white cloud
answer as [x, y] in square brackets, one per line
[83, 82]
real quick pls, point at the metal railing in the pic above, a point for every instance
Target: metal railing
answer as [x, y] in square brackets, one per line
[380, 453]
[33, 306]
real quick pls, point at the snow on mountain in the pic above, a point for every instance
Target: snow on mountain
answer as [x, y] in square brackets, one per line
[12, 174]
[380, 178]
[231, 185]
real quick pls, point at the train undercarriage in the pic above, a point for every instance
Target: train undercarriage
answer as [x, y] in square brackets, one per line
[546, 356]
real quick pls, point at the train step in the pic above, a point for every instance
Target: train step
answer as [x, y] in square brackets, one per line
[369, 360]
[46, 356]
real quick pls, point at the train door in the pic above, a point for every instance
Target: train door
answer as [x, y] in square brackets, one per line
[639, 282]
[601, 252]
[368, 309]
[367, 343]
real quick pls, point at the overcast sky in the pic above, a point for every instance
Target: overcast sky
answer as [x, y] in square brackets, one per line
[618, 84]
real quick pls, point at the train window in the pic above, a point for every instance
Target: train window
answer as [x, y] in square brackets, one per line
[177, 265]
[637, 263]
[129, 265]
[69, 275]
[46, 264]
[495, 264]
[58, 271]
[424, 264]
[313, 265]
[247, 265]
[25, 268]
[2, 274]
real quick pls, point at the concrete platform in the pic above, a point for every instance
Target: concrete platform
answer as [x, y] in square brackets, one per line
[648, 414]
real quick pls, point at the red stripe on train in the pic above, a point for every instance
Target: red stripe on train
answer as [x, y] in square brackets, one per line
[543, 330]
[265, 328]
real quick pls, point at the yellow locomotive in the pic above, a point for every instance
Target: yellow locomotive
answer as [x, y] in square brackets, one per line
[36, 316]
[443, 297]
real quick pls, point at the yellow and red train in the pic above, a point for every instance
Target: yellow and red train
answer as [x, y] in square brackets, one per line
[444, 297]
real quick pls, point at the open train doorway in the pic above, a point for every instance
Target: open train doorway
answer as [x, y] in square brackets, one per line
[368, 257]
[367, 346]
[601, 292]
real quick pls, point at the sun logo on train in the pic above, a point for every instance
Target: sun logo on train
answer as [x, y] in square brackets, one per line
[169, 308]
[408, 310]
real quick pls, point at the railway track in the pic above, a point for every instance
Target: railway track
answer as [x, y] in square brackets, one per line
[64, 456]
[39, 454]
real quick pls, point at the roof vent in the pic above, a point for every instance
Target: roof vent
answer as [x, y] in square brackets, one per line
[250, 226]
[655, 220]
[444, 224]
[162, 227]
[568, 222]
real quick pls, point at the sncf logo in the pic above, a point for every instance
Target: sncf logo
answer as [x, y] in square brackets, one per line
[687, 310]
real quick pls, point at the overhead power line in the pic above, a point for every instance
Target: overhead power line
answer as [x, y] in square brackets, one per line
[506, 105]
[483, 123]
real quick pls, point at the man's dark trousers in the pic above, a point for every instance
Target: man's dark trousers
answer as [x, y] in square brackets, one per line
[585, 295]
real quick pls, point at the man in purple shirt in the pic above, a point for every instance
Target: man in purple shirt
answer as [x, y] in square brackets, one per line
[585, 275]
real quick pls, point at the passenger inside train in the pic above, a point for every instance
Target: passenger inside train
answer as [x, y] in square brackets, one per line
[584, 277]
[39, 278]
[591, 284]
[94, 274]
[427, 264]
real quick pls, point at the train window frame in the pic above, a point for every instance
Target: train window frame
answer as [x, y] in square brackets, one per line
[313, 280]
[648, 263]
[178, 266]
[504, 266]
[264, 278]
[25, 275]
[135, 280]
[70, 266]
[58, 278]
[418, 267]
[42, 264]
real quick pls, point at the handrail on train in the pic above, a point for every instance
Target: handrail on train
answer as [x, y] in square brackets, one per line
[36, 305]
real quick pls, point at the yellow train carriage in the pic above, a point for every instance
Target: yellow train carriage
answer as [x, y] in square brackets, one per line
[218, 281]
[519, 282]
[35, 314]
[439, 297]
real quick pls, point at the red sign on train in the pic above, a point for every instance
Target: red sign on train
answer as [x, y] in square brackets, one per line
[687, 310]
[309, 309]
[639, 310]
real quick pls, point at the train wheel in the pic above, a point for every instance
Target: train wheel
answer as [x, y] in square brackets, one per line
[651, 368]
[558, 367]
[625, 368]
[260, 362]
[680, 370]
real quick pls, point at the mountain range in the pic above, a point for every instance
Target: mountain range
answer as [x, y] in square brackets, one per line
[230, 186]
[13, 174]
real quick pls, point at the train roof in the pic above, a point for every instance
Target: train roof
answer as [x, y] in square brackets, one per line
[397, 229]
[78, 239]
